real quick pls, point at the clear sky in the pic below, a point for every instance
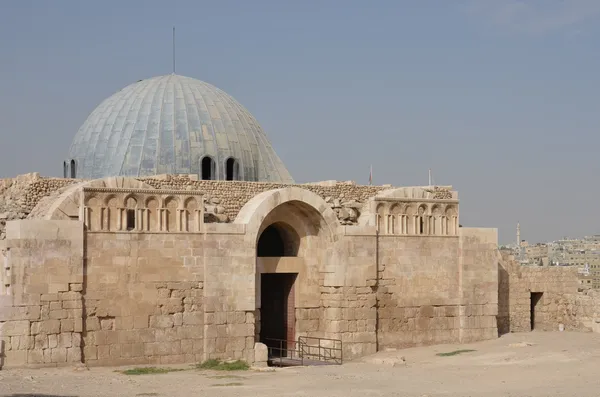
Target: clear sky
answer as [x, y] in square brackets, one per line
[498, 97]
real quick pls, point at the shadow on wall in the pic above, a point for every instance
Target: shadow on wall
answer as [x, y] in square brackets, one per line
[503, 317]
[1, 354]
[35, 395]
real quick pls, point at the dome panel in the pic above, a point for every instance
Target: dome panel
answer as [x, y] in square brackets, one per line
[167, 125]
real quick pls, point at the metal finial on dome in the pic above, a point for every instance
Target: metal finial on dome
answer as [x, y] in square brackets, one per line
[173, 49]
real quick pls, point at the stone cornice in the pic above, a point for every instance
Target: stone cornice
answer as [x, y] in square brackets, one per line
[143, 191]
[415, 200]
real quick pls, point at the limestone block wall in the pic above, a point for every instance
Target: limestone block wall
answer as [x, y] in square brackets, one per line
[143, 300]
[560, 302]
[348, 292]
[437, 289]
[419, 291]
[139, 294]
[479, 283]
[229, 293]
[41, 310]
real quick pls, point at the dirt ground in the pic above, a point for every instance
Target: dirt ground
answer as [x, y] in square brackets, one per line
[521, 365]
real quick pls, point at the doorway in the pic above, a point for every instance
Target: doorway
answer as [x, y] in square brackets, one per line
[277, 312]
[535, 299]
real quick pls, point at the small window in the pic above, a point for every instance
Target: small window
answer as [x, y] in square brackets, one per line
[65, 169]
[73, 173]
[130, 219]
[232, 169]
[208, 169]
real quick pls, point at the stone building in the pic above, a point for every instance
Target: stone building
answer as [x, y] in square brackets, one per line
[178, 235]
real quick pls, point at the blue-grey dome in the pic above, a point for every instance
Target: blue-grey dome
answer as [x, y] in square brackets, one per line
[173, 125]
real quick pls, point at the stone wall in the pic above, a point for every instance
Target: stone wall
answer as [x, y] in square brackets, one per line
[41, 313]
[144, 302]
[18, 196]
[560, 302]
[584, 310]
[479, 283]
[437, 289]
[419, 291]
[230, 196]
[229, 293]
[156, 296]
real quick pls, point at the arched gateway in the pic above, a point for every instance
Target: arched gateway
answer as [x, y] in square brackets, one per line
[293, 229]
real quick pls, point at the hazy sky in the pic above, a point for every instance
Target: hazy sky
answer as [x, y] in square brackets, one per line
[499, 98]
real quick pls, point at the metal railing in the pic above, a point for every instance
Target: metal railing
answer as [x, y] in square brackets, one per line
[305, 351]
[321, 349]
[283, 352]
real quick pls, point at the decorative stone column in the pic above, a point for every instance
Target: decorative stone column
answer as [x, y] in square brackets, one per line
[162, 219]
[199, 220]
[178, 219]
[139, 219]
[86, 217]
[185, 220]
[120, 218]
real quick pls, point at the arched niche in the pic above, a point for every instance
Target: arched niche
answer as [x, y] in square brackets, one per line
[208, 169]
[152, 205]
[232, 169]
[380, 210]
[279, 239]
[254, 214]
[171, 204]
[190, 207]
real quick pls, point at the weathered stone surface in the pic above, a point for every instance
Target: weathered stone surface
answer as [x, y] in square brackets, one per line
[560, 303]
[261, 355]
[164, 285]
[14, 328]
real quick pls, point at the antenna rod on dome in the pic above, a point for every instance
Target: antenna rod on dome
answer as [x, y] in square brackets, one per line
[173, 49]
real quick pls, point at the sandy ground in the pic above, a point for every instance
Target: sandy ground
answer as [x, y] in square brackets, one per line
[520, 365]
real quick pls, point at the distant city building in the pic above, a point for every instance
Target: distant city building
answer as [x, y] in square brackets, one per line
[583, 253]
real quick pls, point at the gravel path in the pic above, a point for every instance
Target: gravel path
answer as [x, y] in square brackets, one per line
[519, 365]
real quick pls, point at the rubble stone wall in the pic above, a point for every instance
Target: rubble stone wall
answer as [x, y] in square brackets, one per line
[560, 302]
[230, 196]
[19, 195]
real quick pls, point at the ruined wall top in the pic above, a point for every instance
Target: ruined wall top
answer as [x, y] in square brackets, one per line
[20, 195]
[33, 196]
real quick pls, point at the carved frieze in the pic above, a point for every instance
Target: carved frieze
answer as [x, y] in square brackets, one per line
[142, 210]
[429, 211]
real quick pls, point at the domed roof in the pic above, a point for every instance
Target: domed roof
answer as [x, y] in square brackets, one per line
[174, 125]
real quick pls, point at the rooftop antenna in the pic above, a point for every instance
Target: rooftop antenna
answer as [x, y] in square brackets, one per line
[430, 177]
[173, 49]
